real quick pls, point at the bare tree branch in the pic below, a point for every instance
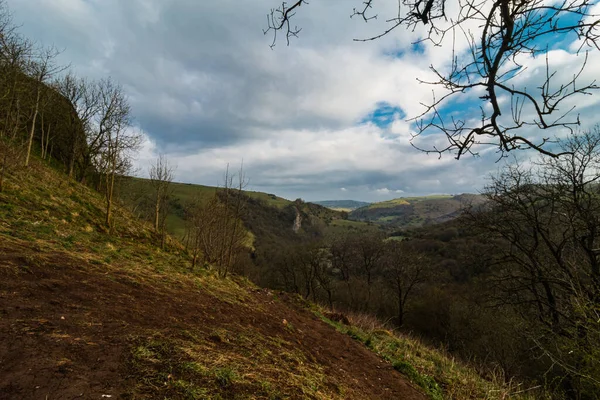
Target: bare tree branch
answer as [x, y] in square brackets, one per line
[500, 35]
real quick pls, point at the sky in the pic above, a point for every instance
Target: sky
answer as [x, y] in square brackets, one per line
[324, 118]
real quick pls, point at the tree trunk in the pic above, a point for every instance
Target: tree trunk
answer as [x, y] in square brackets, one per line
[42, 136]
[31, 133]
[47, 142]
[72, 158]
[110, 184]
[400, 307]
[157, 210]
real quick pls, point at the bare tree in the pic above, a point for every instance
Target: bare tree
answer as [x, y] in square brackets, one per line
[161, 176]
[404, 270]
[215, 227]
[15, 54]
[369, 258]
[84, 96]
[113, 113]
[343, 258]
[41, 68]
[548, 215]
[113, 140]
[235, 201]
[196, 219]
[499, 35]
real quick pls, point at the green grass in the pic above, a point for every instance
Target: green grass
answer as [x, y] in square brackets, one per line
[341, 226]
[389, 203]
[186, 193]
[270, 199]
[402, 201]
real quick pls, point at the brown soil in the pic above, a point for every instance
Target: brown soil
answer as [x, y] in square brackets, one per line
[66, 329]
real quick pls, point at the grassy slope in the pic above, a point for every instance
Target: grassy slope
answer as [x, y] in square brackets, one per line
[87, 312]
[342, 205]
[185, 192]
[413, 211]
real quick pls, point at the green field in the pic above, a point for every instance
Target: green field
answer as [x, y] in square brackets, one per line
[137, 189]
[407, 212]
[342, 226]
[409, 200]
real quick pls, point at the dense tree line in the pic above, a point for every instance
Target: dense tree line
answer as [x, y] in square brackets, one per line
[83, 125]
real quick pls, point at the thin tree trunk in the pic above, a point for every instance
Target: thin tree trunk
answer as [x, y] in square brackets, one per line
[72, 158]
[400, 307]
[157, 209]
[110, 184]
[16, 121]
[42, 136]
[35, 113]
[47, 142]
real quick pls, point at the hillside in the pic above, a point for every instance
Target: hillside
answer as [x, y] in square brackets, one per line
[415, 211]
[342, 205]
[137, 191]
[85, 313]
[267, 213]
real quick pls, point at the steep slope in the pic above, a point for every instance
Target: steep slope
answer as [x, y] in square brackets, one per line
[85, 314]
[57, 128]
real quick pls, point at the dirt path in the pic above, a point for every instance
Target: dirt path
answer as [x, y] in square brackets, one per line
[66, 330]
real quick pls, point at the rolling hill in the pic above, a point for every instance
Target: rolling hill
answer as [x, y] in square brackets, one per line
[274, 214]
[342, 205]
[415, 211]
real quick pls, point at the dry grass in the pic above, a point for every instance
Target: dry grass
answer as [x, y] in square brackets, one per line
[41, 207]
[438, 373]
[232, 362]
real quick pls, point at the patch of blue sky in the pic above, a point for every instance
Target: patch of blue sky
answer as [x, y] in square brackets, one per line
[554, 37]
[384, 115]
[417, 48]
[467, 106]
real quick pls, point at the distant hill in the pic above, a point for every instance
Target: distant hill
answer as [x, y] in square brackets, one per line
[415, 211]
[342, 205]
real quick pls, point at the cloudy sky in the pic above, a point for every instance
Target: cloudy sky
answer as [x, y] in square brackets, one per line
[324, 118]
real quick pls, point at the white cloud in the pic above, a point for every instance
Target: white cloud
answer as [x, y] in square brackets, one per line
[206, 89]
